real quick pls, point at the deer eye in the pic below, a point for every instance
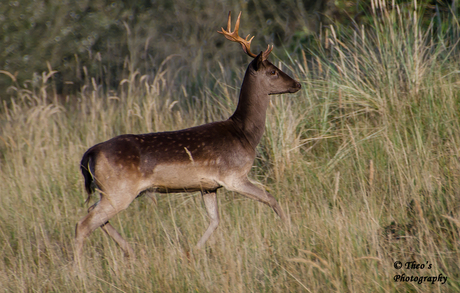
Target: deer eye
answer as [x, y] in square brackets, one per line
[273, 72]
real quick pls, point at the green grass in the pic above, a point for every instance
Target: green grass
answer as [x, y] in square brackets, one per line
[364, 161]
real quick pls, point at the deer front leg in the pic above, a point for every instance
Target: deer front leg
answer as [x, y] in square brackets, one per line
[246, 188]
[210, 201]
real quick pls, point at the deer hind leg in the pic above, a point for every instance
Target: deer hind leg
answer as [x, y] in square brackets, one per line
[98, 216]
[246, 188]
[210, 201]
[110, 230]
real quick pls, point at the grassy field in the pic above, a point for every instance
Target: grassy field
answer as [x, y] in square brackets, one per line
[364, 161]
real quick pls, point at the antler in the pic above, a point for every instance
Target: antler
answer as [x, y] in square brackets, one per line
[245, 43]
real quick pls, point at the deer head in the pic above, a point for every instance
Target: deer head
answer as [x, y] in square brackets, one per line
[274, 80]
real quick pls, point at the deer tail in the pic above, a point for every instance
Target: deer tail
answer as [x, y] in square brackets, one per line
[87, 169]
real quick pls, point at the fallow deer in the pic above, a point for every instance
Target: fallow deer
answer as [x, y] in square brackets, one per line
[202, 158]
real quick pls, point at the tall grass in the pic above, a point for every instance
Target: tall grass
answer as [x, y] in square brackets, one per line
[364, 161]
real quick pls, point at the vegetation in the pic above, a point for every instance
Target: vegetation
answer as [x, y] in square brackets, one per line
[364, 161]
[107, 39]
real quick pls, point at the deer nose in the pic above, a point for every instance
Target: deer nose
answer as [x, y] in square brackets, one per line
[296, 87]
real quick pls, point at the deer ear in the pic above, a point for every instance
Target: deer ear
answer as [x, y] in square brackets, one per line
[257, 62]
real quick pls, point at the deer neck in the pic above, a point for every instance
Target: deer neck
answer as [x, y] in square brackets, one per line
[250, 113]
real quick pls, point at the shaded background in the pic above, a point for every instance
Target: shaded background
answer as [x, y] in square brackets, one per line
[109, 39]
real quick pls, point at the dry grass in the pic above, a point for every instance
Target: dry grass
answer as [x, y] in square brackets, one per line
[364, 160]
